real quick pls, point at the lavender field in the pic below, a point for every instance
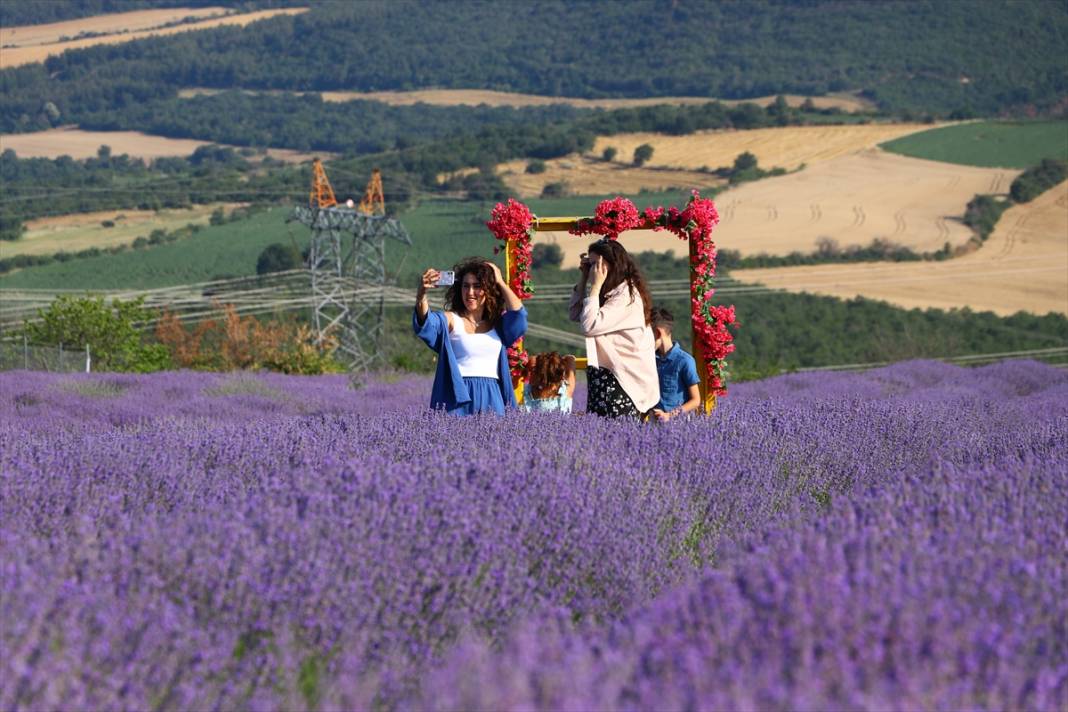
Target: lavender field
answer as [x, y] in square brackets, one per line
[894, 539]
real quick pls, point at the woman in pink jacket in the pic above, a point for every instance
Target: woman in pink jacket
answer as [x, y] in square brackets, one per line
[612, 305]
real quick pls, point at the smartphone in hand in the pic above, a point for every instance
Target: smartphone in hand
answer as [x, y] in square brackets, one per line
[446, 278]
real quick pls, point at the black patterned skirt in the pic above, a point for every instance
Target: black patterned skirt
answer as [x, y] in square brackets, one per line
[605, 397]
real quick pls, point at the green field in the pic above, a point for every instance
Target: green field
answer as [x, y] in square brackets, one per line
[989, 144]
[442, 232]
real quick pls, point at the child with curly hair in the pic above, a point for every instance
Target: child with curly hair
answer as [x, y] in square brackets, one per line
[550, 383]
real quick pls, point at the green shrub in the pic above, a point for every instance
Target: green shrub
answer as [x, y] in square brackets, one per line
[545, 255]
[278, 257]
[557, 189]
[982, 214]
[642, 154]
[111, 331]
[536, 166]
[1037, 180]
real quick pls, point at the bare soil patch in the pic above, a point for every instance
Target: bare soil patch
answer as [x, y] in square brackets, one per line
[78, 144]
[80, 231]
[1023, 266]
[479, 97]
[35, 43]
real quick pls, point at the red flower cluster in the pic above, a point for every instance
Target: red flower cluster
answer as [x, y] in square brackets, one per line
[518, 358]
[513, 224]
[611, 218]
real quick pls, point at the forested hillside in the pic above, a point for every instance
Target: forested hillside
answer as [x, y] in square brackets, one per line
[956, 58]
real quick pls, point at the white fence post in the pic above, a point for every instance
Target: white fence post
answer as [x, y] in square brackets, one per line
[88, 360]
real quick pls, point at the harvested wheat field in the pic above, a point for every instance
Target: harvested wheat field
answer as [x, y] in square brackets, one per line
[479, 97]
[787, 147]
[35, 43]
[852, 200]
[1023, 266]
[590, 176]
[80, 231]
[78, 144]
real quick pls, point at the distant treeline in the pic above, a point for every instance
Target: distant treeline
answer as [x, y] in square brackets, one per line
[306, 122]
[980, 57]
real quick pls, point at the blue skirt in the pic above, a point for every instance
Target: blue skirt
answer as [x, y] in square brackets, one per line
[485, 397]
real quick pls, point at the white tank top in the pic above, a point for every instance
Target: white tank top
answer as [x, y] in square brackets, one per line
[477, 355]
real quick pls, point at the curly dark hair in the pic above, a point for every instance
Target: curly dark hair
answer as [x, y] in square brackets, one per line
[622, 268]
[454, 295]
[547, 373]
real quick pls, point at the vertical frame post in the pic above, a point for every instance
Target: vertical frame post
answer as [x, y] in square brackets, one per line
[708, 399]
[509, 274]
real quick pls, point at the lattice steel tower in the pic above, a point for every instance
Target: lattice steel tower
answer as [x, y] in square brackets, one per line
[348, 272]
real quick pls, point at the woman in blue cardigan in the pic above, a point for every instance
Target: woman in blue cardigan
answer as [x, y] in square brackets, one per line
[482, 318]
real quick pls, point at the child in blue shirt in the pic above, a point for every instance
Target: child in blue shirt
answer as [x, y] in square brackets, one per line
[679, 391]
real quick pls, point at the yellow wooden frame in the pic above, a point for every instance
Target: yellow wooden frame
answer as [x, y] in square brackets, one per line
[563, 224]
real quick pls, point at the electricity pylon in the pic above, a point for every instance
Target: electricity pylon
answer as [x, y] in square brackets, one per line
[347, 262]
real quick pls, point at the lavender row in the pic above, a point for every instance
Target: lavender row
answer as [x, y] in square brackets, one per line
[264, 542]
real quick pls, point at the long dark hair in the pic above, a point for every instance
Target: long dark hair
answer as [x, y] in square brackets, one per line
[454, 295]
[622, 268]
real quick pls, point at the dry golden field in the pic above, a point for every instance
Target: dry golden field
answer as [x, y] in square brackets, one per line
[677, 158]
[35, 43]
[849, 192]
[478, 97]
[853, 200]
[78, 144]
[1023, 266]
[80, 231]
[788, 147]
[595, 177]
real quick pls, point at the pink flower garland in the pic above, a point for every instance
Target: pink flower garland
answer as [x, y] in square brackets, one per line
[513, 224]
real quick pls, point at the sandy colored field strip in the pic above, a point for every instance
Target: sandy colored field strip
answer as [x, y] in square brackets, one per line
[478, 97]
[80, 231]
[786, 147]
[594, 177]
[78, 144]
[1022, 267]
[852, 200]
[35, 43]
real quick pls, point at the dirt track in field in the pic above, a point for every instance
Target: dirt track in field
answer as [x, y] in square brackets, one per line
[1023, 266]
[79, 144]
[34, 43]
[80, 231]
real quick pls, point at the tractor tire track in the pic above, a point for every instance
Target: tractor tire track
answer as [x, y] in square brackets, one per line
[899, 223]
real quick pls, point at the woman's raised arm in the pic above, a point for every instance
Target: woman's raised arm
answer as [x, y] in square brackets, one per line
[422, 304]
